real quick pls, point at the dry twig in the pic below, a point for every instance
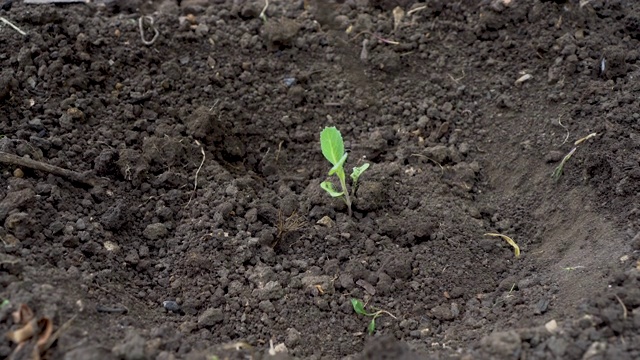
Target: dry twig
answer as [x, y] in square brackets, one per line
[55, 170]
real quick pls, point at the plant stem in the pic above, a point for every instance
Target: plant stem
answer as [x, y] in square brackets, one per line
[343, 183]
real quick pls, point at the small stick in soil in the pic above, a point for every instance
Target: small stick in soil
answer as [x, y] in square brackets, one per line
[195, 181]
[55, 170]
[156, 33]
[13, 26]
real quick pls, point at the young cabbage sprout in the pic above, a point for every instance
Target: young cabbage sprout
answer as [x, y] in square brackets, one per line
[333, 150]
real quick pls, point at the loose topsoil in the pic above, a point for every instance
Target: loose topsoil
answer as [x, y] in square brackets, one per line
[194, 226]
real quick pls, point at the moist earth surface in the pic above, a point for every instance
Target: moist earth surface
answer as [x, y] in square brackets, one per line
[160, 179]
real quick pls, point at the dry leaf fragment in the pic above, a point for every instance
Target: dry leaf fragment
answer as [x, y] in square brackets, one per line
[24, 333]
[43, 340]
[523, 78]
[516, 248]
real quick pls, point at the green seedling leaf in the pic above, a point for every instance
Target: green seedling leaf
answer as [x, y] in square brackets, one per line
[372, 326]
[338, 165]
[328, 187]
[358, 307]
[332, 144]
[4, 303]
[357, 171]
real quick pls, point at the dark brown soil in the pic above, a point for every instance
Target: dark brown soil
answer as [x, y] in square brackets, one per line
[461, 144]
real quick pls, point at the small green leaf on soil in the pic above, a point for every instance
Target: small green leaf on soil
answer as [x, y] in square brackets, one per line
[358, 307]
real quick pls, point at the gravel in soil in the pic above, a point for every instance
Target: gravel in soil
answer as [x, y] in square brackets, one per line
[197, 227]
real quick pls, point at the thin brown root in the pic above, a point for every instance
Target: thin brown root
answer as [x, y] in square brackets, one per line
[195, 181]
[287, 225]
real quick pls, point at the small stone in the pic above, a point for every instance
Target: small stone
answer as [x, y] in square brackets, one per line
[18, 173]
[541, 306]
[155, 231]
[326, 221]
[111, 246]
[171, 306]
[81, 224]
[551, 326]
[366, 286]
[75, 113]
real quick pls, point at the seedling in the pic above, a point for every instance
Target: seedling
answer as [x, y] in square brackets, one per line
[333, 150]
[358, 307]
[557, 172]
